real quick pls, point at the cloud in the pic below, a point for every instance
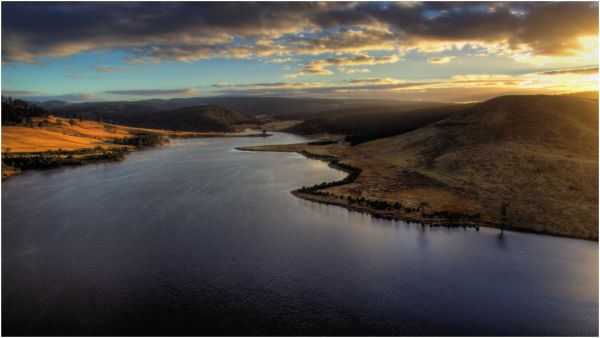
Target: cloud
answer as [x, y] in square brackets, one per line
[105, 69]
[74, 97]
[74, 73]
[342, 41]
[457, 88]
[354, 70]
[274, 85]
[281, 60]
[155, 92]
[440, 60]
[378, 81]
[41, 97]
[462, 87]
[588, 70]
[481, 77]
[319, 67]
[19, 93]
[190, 31]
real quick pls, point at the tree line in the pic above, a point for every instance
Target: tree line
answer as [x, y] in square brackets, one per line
[16, 111]
[140, 140]
[56, 158]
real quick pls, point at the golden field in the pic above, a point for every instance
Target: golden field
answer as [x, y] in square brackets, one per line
[57, 133]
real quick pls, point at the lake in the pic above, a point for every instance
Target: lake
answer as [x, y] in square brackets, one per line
[197, 238]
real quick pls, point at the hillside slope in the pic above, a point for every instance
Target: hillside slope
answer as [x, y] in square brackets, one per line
[538, 153]
[287, 108]
[360, 108]
[197, 119]
[375, 122]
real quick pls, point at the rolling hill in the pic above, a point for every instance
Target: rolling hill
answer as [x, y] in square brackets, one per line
[283, 107]
[369, 123]
[359, 107]
[196, 118]
[538, 153]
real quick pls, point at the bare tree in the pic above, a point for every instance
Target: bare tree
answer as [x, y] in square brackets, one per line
[423, 208]
[503, 217]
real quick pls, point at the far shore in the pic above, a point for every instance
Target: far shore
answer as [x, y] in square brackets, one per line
[16, 162]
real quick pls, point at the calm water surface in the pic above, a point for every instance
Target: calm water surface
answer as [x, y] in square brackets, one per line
[197, 238]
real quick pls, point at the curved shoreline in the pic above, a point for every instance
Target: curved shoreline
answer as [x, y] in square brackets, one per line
[387, 213]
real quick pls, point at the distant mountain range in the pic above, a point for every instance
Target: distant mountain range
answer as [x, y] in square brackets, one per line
[290, 108]
[221, 113]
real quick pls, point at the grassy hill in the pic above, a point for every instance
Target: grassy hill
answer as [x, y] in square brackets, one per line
[52, 133]
[359, 107]
[34, 139]
[538, 153]
[197, 118]
[99, 110]
[154, 114]
[369, 123]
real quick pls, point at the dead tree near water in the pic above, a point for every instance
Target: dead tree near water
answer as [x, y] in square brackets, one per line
[423, 208]
[503, 218]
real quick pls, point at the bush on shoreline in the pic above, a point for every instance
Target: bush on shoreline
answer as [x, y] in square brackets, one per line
[353, 174]
[55, 158]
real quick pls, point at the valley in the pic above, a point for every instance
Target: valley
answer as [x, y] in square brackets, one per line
[524, 163]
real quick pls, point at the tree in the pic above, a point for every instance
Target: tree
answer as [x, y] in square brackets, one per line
[72, 122]
[503, 217]
[15, 111]
[423, 208]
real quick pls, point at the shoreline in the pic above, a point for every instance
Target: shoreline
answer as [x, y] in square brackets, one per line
[53, 159]
[388, 213]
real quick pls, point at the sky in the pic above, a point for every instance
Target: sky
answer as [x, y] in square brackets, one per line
[429, 51]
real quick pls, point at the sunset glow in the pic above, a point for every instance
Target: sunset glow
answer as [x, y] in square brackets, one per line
[402, 50]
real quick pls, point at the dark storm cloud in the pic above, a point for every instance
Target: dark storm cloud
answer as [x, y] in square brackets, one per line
[190, 31]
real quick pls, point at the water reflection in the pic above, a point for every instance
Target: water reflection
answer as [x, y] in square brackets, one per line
[196, 238]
